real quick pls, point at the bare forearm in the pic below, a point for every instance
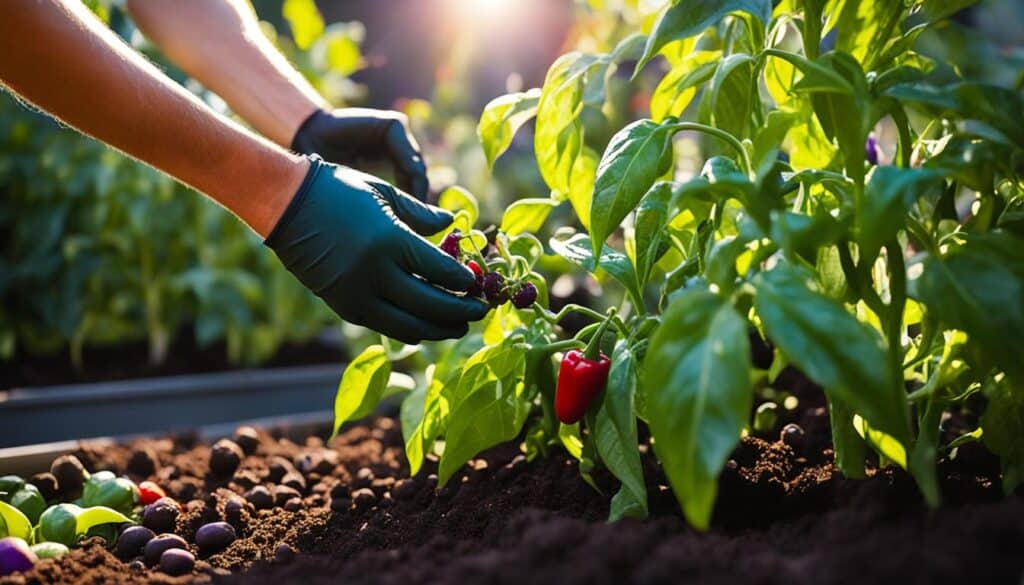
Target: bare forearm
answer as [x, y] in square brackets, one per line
[59, 57]
[219, 42]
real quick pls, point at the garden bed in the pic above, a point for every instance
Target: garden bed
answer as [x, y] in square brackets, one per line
[784, 515]
[130, 361]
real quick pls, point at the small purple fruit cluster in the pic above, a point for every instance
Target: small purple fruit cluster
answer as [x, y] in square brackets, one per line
[491, 285]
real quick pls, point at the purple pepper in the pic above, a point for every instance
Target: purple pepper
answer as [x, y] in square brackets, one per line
[450, 244]
[525, 297]
[494, 288]
[15, 556]
[871, 150]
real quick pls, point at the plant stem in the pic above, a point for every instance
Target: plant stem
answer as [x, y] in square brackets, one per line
[563, 345]
[593, 351]
[724, 136]
[555, 318]
[897, 303]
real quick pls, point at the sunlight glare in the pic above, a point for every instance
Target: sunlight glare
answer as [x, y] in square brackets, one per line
[483, 11]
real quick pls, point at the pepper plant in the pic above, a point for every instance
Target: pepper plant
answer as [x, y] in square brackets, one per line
[889, 271]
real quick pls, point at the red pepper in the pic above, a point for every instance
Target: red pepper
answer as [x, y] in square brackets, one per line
[149, 492]
[579, 381]
[582, 375]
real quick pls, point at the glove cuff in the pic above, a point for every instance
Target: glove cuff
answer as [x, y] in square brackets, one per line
[299, 142]
[316, 164]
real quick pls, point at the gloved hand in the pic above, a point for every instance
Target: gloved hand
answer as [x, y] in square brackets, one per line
[351, 135]
[352, 239]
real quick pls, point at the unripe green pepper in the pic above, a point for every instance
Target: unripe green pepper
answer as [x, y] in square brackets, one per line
[59, 524]
[9, 484]
[29, 501]
[49, 550]
[105, 489]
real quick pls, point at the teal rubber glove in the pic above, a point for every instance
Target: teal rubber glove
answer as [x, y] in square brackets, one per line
[354, 241]
[351, 136]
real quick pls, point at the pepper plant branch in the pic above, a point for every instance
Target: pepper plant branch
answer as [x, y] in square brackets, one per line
[722, 135]
[593, 350]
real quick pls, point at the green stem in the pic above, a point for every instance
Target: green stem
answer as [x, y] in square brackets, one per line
[723, 136]
[564, 345]
[593, 351]
[555, 318]
[897, 303]
[929, 388]
[905, 143]
[853, 276]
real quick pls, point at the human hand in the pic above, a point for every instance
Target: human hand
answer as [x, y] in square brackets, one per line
[351, 135]
[355, 241]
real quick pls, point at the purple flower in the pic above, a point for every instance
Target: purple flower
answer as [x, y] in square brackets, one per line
[871, 150]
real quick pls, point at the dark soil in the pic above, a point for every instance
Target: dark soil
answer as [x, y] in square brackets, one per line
[131, 360]
[783, 516]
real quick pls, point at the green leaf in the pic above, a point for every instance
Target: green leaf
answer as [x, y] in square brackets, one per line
[635, 158]
[978, 288]
[1000, 108]
[569, 436]
[935, 10]
[558, 141]
[410, 414]
[889, 195]
[615, 435]
[664, 201]
[805, 234]
[865, 26]
[816, 77]
[676, 90]
[420, 440]
[581, 188]
[698, 395]
[844, 116]
[96, 516]
[502, 118]
[830, 346]
[1003, 421]
[733, 92]
[305, 21]
[810, 148]
[849, 449]
[881, 442]
[527, 246]
[361, 385]
[526, 215]
[576, 249]
[491, 416]
[14, 522]
[457, 199]
[488, 407]
[686, 18]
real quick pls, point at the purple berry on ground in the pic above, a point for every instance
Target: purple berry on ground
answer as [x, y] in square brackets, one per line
[871, 150]
[450, 244]
[525, 297]
[15, 556]
[176, 562]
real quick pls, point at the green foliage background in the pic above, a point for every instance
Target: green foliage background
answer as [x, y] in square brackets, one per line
[96, 248]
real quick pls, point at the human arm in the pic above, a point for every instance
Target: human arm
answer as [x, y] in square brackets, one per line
[219, 42]
[58, 56]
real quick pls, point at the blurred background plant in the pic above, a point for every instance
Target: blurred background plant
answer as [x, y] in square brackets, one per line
[97, 250]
